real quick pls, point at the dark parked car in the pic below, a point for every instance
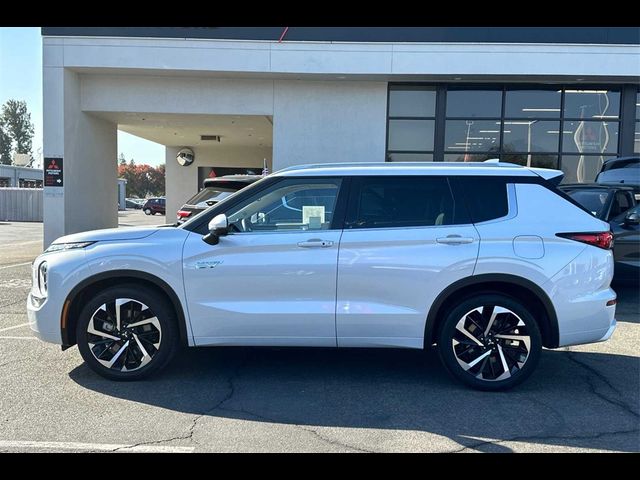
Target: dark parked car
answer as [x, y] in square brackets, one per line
[154, 205]
[215, 190]
[616, 204]
[626, 246]
[623, 170]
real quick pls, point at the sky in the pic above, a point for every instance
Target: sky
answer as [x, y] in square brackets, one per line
[21, 79]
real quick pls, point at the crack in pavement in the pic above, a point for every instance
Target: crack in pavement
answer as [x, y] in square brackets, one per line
[592, 387]
[543, 437]
[13, 303]
[317, 434]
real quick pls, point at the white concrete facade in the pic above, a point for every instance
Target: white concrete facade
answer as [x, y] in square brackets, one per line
[327, 100]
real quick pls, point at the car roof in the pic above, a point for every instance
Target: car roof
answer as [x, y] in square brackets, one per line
[622, 159]
[489, 168]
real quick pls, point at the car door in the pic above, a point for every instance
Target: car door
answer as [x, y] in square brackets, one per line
[405, 239]
[272, 279]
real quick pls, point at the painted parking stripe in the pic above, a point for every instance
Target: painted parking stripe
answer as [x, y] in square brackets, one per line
[100, 447]
[15, 265]
[14, 327]
[18, 338]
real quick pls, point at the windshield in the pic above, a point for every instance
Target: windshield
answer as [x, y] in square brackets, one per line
[592, 200]
[213, 194]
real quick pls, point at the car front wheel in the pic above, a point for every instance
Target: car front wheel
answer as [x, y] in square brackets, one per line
[127, 332]
[147, 211]
[490, 342]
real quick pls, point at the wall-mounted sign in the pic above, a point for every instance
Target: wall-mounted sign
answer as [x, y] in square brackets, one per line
[53, 172]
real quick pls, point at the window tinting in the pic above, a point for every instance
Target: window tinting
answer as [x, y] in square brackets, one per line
[412, 102]
[411, 135]
[580, 168]
[486, 197]
[593, 104]
[532, 104]
[590, 137]
[379, 202]
[531, 136]
[410, 157]
[474, 103]
[472, 136]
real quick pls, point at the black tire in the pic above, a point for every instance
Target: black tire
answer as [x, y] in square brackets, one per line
[147, 211]
[167, 338]
[509, 351]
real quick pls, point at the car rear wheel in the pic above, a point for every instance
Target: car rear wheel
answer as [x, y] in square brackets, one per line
[490, 342]
[127, 333]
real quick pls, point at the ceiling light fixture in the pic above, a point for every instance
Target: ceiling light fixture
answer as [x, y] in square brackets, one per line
[540, 109]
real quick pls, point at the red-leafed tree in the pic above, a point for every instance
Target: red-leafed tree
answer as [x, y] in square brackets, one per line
[142, 180]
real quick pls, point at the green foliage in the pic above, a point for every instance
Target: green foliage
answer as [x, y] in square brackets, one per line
[17, 127]
[5, 145]
[142, 180]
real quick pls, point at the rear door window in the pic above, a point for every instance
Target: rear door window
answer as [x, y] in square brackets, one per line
[403, 201]
[486, 197]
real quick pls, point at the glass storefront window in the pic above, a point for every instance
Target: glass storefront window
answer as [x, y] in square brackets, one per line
[474, 103]
[531, 136]
[581, 168]
[532, 104]
[472, 135]
[591, 104]
[469, 157]
[412, 102]
[411, 135]
[636, 138]
[537, 160]
[410, 157]
[590, 137]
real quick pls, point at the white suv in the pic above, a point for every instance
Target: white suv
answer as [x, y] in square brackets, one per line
[488, 261]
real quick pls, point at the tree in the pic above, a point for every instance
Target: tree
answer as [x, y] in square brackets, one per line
[18, 125]
[142, 180]
[5, 145]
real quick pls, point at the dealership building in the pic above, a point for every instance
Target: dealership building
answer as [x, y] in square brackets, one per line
[239, 96]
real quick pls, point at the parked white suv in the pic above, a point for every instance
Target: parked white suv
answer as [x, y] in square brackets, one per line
[488, 261]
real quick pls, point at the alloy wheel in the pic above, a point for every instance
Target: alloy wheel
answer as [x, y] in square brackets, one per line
[124, 334]
[491, 343]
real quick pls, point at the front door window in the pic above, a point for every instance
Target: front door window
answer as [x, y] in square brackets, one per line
[292, 204]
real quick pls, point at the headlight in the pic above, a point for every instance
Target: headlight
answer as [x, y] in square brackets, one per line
[57, 247]
[42, 279]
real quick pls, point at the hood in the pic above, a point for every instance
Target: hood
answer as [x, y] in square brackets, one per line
[108, 234]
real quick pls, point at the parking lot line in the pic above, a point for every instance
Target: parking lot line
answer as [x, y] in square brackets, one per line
[15, 265]
[14, 327]
[100, 447]
[18, 338]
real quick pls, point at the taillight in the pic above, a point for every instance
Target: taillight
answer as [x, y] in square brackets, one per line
[597, 239]
[183, 214]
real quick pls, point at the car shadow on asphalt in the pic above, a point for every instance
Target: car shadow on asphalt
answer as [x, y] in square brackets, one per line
[574, 399]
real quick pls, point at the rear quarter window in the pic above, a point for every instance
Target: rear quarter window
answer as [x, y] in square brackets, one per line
[485, 196]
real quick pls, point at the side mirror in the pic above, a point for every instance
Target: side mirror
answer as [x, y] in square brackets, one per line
[218, 227]
[632, 218]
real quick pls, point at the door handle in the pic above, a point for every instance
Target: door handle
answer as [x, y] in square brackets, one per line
[454, 240]
[316, 243]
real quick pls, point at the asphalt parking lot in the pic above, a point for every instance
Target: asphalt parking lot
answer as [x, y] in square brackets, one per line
[584, 398]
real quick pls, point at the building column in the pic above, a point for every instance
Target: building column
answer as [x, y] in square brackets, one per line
[87, 199]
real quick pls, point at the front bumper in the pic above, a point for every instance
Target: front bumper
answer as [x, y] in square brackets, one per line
[44, 320]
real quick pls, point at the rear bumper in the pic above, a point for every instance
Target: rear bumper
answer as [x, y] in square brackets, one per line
[588, 319]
